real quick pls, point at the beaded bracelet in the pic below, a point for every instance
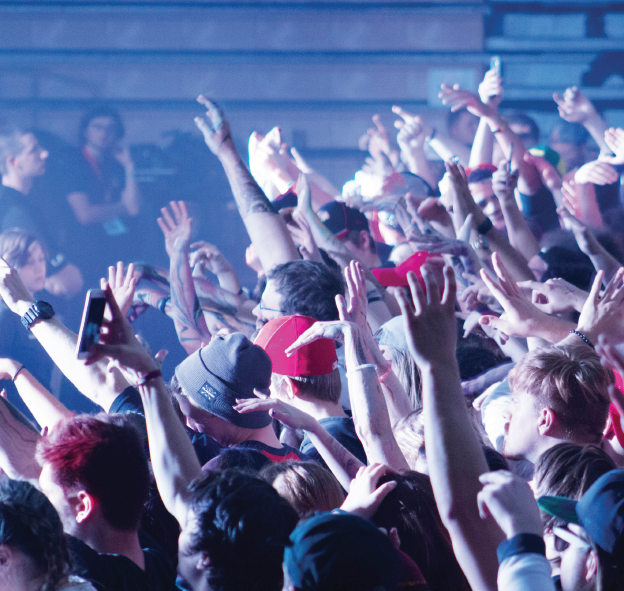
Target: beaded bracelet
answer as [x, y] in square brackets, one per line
[152, 375]
[582, 336]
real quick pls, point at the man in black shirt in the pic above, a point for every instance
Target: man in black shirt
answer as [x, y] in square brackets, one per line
[22, 159]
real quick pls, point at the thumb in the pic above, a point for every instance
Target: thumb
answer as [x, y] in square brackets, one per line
[494, 322]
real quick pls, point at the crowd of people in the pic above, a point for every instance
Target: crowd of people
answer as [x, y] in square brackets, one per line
[423, 390]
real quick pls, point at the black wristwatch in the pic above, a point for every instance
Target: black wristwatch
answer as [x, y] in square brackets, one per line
[40, 310]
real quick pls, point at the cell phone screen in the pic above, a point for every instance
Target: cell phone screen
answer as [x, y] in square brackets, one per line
[91, 322]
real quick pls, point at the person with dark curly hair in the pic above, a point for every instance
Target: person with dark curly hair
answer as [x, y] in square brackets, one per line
[33, 549]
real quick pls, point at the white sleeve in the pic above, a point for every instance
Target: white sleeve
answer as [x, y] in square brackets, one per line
[525, 572]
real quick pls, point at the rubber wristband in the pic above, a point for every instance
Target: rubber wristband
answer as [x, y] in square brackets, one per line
[485, 226]
[361, 367]
[17, 372]
[583, 337]
[152, 375]
[386, 373]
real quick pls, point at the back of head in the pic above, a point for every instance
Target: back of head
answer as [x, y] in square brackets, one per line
[14, 245]
[243, 526]
[307, 486]
[247, 460]
[568, 470]
[308, 288]
[102, 454]
[10, 146]
[411, 508]
[30, 524]
[341, 552]
[572, 383]
[567, 132]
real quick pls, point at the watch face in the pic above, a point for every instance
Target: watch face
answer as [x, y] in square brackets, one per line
[45, 310]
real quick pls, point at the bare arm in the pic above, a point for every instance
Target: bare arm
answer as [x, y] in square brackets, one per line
[189, 323]
[267, 229]
[491, 93]
[46, 409]
[520, 236]
[172, 455]
[454, 454]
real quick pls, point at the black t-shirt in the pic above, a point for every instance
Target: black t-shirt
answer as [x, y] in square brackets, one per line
[129, 401]
[113, 572]
[342, 429]
[275, 454]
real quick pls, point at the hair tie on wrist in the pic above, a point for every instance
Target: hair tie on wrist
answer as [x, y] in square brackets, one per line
[582, 336]
[21, 367]
[152, 375]
[386, 373]
[431, 135]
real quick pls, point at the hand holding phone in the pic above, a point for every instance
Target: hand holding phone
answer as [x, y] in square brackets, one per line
[91, 324]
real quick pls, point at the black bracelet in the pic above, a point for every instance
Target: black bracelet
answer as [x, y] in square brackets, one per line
[485, 226]
[431, 135]
[582, 336]
[21, 367]
[152, 375]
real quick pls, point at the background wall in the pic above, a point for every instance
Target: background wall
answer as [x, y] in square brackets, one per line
[317, 69]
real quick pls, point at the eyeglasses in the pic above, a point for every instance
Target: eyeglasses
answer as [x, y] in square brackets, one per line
[262, 307]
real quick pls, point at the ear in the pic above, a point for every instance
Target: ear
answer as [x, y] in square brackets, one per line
[591, 566]
[84, 506]
[5, 556]
[546, 421]
[365, 240]
[291, 388]
[203, 562]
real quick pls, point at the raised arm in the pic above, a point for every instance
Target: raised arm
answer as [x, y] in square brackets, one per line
[266, 228]
[370, 413]
[189, 322]
[491, 93]
[95, 382]
[518, 231]
[46, 409]
[173, 459]
[454, 453]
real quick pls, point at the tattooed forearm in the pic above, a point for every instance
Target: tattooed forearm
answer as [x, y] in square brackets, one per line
[248, 195]
[185, 312]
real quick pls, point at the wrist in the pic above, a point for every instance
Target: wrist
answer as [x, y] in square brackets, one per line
[23, 306]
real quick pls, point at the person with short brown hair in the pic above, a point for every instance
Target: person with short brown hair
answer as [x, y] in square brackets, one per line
[560, 394]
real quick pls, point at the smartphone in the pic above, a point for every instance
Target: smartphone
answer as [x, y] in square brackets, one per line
[496, 65]
[92, 317]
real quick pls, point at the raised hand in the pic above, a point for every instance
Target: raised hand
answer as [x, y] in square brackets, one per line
[522, 318]
[510, 501]
[430, 326]
[177, 227]
[336, 330]
[119, 343]
[207, 257]
[549, 174]
[596, 172]
[584, 236]
[214, 127]
[124, 158]
[123, 286]
[14, 293]
[364, 496]
[615, 140]
[602, 313]
[574, 106]
[555, 296]
[357, 307]
[379, 141]
[413, 130]
[302, 235]
[460, 99]
[285, 413]
[504, 182]
[491, 89]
